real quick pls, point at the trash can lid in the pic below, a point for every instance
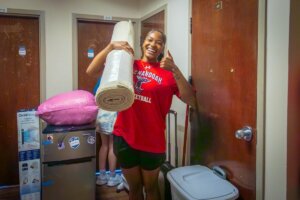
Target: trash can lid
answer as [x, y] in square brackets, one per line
[200, 182]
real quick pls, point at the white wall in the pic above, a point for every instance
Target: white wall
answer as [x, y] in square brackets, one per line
[146, 6]
[58, 32]
[276, 99]
[178, 44]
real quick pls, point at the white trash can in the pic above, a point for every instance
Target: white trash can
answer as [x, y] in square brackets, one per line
[198, 182]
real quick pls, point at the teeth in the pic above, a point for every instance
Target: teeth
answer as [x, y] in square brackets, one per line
[151, 50]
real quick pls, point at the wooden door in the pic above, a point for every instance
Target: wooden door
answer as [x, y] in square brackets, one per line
[92, 37]
[224, 73]
[293, 157]
[19, 85]
[156, 21]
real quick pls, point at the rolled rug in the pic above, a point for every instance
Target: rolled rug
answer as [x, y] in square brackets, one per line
[116, 92]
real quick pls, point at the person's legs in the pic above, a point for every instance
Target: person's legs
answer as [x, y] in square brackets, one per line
[102, 178]
[128, 159]
[150, 164]
[114, 179]
[139, 168]
[103, 151]
[112, 160]
[150, 180]
[135, 182]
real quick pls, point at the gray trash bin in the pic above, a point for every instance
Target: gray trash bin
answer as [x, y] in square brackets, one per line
[199, 182]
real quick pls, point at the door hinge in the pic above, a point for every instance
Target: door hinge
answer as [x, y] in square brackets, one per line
[190, 80]
[191, 25]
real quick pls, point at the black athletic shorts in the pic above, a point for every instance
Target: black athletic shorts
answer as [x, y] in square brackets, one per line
[129, 157]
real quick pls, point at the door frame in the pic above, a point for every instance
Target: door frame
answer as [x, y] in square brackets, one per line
[261, 97]
[42, 44]
[94, 18]
[261, 101]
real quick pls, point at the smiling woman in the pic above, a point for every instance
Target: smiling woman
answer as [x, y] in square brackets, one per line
[139, 139]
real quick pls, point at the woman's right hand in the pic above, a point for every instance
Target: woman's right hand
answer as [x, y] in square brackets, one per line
[121, 45]
[96, 67]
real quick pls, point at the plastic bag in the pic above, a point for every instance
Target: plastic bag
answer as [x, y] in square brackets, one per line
[71, 108]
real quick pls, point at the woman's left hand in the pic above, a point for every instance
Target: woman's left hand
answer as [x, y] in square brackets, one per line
[167, 62]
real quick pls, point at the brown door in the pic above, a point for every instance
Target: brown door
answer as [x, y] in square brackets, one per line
[156, 21]
[93, 36]
[19, 85]
[293, 157]
[224, 71]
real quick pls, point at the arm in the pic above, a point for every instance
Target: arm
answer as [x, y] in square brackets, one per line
[185, 89]
[96, 67]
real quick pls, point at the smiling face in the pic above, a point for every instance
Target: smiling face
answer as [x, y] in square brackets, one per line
[153, 46]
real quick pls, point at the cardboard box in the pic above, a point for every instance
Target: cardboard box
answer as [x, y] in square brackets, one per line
[29, 155]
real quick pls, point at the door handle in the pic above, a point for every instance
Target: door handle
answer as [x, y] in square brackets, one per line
[244, 134]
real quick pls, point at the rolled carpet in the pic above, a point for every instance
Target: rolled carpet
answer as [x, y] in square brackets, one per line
[116, 92]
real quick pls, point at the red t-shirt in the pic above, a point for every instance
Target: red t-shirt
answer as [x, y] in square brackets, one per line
[143, 124]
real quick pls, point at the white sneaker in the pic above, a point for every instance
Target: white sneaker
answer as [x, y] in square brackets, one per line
[102, 179]
[114, 180]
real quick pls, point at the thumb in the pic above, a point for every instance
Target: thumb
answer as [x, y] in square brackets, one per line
[169, 54]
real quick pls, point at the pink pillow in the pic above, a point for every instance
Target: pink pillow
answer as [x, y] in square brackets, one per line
[71, 108]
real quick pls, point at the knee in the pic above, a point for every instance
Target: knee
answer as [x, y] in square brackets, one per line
[104, 148]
